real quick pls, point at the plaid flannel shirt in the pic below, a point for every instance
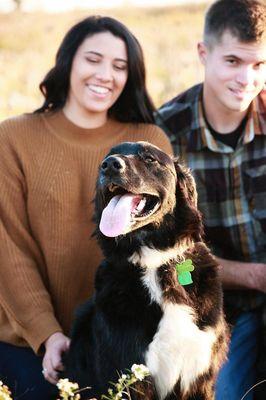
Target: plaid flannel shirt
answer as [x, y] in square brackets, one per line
[231, 183]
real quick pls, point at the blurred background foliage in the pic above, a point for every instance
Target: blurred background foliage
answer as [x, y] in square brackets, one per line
[29, 41]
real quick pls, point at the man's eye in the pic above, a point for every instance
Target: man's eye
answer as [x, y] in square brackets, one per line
[231, 61]
[260, 65]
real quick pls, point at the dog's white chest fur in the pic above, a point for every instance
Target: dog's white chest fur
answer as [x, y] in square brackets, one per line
[179, 350]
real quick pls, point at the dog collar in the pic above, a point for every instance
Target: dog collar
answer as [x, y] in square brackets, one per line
[183, 272]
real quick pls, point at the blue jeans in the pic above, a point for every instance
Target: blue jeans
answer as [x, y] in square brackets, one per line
[20, 370]
[238, 373]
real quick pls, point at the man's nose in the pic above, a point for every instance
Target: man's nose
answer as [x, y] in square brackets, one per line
[246, 76]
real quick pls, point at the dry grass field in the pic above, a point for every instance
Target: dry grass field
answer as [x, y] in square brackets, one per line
[28, 43]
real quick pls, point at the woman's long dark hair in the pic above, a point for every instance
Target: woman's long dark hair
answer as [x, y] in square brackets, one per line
[134, 103]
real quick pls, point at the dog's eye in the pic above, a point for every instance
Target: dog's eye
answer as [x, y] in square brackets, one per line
[149, 159]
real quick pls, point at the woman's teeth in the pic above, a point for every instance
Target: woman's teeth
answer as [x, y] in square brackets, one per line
[98, 89]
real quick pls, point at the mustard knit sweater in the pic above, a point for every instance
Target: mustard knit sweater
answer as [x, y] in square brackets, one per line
[48, 169]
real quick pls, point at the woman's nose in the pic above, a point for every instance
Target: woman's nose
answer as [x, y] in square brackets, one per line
[104, 72]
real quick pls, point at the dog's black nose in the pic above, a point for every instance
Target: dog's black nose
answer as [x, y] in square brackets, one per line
[113, 164]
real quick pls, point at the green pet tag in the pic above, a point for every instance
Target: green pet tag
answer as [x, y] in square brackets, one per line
[183, 272]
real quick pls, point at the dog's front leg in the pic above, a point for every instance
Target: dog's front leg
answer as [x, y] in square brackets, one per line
[78, 367]
[202, 389]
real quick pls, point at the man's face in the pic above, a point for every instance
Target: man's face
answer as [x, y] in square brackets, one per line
[235, 72]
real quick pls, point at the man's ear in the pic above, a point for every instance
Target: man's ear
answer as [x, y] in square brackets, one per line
[202, 52]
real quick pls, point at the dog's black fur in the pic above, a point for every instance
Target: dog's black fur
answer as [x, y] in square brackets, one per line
[127, 320]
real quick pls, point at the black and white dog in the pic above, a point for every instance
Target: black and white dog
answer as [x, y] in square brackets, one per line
[150, 307]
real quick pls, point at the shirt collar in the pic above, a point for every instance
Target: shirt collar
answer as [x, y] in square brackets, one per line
[201, 137]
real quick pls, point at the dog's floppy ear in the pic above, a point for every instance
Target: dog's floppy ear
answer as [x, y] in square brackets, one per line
[186, 183]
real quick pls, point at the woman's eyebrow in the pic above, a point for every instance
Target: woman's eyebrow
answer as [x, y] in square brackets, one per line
[101, 55]
[93, 52]
[121, 59]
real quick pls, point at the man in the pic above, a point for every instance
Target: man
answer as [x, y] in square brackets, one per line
[219, 129]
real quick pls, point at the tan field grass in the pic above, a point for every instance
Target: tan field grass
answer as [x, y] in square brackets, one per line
[28, 43]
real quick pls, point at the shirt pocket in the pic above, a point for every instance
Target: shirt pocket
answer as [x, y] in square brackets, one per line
[255, 190]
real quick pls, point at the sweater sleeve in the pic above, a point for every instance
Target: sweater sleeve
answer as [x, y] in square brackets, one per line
[23, 293]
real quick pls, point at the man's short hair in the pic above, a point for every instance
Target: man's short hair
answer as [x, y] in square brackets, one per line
[244, 19]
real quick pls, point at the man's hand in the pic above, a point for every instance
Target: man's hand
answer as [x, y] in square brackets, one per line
[242, 275]
[55, 345]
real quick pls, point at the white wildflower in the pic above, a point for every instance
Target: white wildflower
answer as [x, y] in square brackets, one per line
[140, 371]
[5, 394]
[64, 385]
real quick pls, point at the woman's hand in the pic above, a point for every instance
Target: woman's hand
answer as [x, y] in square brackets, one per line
[55, 345]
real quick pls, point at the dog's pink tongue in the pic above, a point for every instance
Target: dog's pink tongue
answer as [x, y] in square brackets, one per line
[116, 216]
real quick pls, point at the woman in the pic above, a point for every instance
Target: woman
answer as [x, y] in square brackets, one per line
[95, 97]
